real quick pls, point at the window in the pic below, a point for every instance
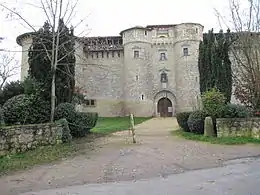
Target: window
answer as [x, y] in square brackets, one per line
[145, 33]
[97, 54]
[136, 77]
[102, 54]
[196, 30]
[136, 54]
[90, 102]
[142, 97]
[108, 54]
[185, 51]
[162, 56]
[164, 78]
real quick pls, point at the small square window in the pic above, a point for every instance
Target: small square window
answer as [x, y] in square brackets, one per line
[136, 54]
[185, 51]
[90, 102]
[162, 56]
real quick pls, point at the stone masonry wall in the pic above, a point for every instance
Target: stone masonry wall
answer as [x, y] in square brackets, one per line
[238, 127]
[24, 137]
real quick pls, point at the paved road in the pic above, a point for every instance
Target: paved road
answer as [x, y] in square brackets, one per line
[238, 177]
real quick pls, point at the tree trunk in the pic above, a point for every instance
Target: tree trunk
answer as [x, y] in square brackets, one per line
[53, 96]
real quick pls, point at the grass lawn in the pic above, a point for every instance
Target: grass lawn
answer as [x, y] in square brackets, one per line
[215, 140]
[113, 124]
[39, 155]
[47, 154]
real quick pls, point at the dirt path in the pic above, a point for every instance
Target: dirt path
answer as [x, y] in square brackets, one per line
[157, 153]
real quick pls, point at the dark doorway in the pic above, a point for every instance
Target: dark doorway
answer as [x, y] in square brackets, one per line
[164, 107]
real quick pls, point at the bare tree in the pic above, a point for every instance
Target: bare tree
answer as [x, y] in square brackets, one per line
[8, 68]
[244, 21]
[54, 11]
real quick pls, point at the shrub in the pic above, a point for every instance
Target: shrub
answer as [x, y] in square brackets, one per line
[2, 121]
[182, 119]
[65, 110]
[26, 109]
[196, 121]
[80, 123]
[213, 102]
[10, 90]
[236, 111]
[66, 135]
[83, 123]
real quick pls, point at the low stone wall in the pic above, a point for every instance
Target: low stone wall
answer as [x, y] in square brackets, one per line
[20, 138]
[238, 127]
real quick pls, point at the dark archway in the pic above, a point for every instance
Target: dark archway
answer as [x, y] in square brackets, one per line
[164, 107]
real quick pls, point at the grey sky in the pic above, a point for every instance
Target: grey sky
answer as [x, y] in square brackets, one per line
[110, 17]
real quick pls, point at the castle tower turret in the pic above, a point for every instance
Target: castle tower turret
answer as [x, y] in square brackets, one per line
[187, 43]
[137, 69]
[25, 41]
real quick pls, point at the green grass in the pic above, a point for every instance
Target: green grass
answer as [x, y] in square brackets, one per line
[215, 140]
[48, 154]
[113, 124]
[40, 155]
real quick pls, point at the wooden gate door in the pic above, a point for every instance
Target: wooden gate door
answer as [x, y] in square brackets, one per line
[164, 107]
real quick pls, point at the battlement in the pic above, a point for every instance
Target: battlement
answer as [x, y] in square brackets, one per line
[111, 43]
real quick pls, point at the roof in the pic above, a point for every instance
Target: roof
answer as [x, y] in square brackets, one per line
[135, 27]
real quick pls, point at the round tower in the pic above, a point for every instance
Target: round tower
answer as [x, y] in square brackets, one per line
[137, 68]
[25, 41]
[188, 37]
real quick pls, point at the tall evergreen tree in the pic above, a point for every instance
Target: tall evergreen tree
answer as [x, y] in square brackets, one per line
[214, 64]
[40, 64]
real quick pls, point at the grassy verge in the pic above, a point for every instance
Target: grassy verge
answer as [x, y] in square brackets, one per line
[40, 155]
[113, 124]
[47, 154]
[215, 140]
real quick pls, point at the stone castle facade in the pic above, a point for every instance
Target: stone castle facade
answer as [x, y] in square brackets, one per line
[146, 71]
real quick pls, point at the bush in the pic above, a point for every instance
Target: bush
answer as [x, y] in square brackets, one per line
[26, 109]
[80, 123]
[66, 135]
[10, 90]
[2, 121]
[65, 110]
[196, 121]
[213, 102]
[236, 111]
[83, 123]
[182, 119]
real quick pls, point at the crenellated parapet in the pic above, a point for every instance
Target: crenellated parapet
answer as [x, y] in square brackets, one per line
[111, 43]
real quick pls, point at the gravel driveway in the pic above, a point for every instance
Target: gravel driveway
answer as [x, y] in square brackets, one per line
[157, 153]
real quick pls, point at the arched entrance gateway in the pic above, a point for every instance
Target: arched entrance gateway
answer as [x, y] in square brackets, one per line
[164, 107]
[164, 104]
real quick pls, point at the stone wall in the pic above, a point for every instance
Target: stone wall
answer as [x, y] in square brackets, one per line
[238, 127]
[24, 137]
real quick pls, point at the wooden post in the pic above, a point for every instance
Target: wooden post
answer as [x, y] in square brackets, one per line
[132, 127]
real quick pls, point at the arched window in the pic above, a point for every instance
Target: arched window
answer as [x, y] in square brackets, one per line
[164, 78]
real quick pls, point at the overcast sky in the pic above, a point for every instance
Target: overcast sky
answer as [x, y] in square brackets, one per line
[109, 17]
